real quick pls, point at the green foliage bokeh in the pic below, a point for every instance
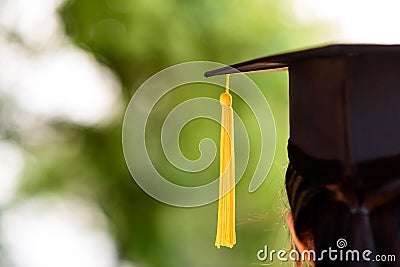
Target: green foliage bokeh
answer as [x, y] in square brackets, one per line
[136, 39]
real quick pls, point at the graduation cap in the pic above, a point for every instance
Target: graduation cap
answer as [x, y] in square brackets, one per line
[344, 109]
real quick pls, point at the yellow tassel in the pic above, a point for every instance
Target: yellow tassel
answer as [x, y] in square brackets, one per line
[226, 235]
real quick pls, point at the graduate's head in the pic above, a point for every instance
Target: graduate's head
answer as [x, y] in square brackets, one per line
[366, 216]
[343, 179]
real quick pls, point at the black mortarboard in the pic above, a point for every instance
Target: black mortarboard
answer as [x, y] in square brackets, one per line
[344, 106]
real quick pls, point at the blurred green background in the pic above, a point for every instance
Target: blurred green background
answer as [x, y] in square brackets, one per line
[65, 83]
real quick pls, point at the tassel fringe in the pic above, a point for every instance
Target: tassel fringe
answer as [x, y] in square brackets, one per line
[226, 235]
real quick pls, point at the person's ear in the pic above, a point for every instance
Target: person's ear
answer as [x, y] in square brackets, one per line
[300, 246]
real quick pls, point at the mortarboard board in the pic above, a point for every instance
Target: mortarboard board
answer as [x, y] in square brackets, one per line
[344, 108]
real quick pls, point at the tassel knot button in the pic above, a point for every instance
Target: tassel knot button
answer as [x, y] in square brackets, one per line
[226, 99]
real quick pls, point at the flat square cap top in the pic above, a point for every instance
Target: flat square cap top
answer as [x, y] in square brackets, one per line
[286, 59]
[344, 100]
